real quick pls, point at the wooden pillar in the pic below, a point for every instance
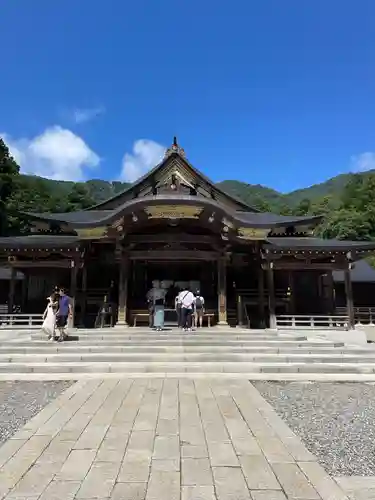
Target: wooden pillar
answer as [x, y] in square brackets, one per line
[25, 286]
[222, 290]
[73, 286]
[291, 292]
[239, 310]
[271, 296]
[349, 298]
[331, 292]
[12, 288]
[84, 293]
[261, 296]
[123, 290]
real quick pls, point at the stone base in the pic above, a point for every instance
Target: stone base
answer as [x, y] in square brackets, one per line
[369, 331]
[222, 324]
[120, 325]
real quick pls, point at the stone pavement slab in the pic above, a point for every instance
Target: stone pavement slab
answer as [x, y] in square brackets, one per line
[358, 487]
[170, 439]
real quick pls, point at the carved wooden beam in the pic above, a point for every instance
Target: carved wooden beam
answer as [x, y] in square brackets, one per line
[167, 237]
[23, 264]
[173, 255]
[304, 266]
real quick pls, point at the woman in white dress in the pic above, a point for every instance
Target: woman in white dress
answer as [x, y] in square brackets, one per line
[49, 317]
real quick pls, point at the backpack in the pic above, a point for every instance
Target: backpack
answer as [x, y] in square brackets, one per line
[198, 303]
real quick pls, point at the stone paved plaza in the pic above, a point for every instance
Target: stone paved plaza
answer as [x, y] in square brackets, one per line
[161, 439]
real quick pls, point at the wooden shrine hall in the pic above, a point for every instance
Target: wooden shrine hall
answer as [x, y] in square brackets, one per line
[254, 269]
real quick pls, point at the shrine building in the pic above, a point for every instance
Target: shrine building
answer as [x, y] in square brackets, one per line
[253, 268]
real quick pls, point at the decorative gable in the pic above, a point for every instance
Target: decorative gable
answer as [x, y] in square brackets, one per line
[173, 182]
[172, 176]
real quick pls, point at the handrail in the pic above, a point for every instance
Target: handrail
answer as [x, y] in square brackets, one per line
[21, 320]
[312, 321]
[357, 309]
[363, 315]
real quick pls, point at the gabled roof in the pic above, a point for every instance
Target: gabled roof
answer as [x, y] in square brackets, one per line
[361, 272]
[47, 241]
[306, 243]
[175, 152]
[94, 218]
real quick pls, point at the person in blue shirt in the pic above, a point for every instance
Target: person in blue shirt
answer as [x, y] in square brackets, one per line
[63, 313]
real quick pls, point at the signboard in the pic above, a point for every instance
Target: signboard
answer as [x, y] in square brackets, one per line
[173, 212]
[249, 233]
[92, 232]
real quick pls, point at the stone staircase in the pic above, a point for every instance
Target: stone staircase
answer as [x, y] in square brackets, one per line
[137, 352]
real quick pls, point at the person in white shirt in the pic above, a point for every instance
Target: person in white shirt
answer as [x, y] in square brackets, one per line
[187, 299]
[199, 309]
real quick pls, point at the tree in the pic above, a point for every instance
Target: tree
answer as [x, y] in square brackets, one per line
[284, 209]
[261, 204]
[325, 205]
[79, 198]
[346, 224]
[303, 208]
[9, 173]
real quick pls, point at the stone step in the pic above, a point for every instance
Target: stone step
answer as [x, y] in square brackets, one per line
[67, 347]
[186, 367]
[196, 342]
[176, 337]
[186, 357]
[175, 330]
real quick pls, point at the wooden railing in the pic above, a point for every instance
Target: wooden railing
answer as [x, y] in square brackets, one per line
[312, 321]
[362, 315]
[19, 321]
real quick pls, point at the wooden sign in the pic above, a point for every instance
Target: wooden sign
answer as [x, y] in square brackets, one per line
[173, 212]
[92, 232]
[249, 233]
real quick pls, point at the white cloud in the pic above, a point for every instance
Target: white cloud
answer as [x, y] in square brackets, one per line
[363, 161]
[85, 115]
[57, 153]
[146, 154]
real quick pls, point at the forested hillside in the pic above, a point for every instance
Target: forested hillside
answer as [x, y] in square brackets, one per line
[346, 201]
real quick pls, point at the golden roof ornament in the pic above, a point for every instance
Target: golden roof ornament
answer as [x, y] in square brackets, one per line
[174, 149]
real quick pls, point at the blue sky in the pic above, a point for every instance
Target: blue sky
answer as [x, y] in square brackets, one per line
[274, 92]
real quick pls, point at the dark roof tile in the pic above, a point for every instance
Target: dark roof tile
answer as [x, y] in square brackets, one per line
[307, 243]
[361, 272]
[102, 217]
[39, 241]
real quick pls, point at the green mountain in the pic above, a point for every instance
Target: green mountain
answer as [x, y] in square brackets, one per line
[97, 189]
[53, 195]
[267, 198]
[332, 187]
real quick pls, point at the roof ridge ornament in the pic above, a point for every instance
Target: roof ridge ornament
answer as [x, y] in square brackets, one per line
[174, 149]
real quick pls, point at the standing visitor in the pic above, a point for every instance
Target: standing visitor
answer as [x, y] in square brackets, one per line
[159, 302]
[187, 303]
[177, 306]
[199, 309]
[64, 312]
[49, 317]
[112, 302]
